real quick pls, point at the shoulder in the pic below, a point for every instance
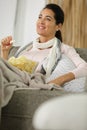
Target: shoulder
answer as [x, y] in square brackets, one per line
[65, 48]
[23, 48]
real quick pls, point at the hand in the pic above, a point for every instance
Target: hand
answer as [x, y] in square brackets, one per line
[6, 46]
[6, 43]
[58, 81]
[61, 80]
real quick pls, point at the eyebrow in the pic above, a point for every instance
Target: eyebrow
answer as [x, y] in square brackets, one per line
[47, 16]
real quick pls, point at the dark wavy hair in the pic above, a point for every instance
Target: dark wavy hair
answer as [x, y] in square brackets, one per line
[58, 15]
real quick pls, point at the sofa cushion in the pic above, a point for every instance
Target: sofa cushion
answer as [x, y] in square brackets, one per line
[17, 115]
[82, 52]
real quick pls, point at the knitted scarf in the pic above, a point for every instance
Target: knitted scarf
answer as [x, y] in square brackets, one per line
[50, 62]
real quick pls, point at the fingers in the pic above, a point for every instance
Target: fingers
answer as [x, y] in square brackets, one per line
[6, 41]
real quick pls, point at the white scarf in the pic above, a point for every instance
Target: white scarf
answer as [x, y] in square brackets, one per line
[54, 55]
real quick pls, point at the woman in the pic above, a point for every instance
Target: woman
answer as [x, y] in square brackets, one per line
[49, 46]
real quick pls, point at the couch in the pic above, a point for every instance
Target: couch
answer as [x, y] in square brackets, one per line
[18, 113]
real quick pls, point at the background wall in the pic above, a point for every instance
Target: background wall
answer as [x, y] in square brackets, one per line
[26, 17]
[18, 18]
[7, 17]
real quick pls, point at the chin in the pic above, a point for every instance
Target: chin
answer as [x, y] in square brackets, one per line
[40, 33]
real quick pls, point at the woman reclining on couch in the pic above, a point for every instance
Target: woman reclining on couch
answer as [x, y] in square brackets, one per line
[60, 63]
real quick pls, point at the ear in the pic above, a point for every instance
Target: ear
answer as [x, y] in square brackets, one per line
[59, 27]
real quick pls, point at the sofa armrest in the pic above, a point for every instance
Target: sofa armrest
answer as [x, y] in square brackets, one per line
[13, 50]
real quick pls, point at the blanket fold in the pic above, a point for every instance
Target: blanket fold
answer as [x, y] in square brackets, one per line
[12, 78]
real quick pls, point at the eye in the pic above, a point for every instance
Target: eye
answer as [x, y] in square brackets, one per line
[48, 19]
[40, 16]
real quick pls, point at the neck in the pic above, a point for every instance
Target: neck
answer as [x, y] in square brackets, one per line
[45, 39]
[45, 45]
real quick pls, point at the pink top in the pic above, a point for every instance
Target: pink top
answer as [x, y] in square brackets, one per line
[38, 55]
[81, 65]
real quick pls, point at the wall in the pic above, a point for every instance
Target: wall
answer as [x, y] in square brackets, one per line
[7, 17]
[18, 18]
[32, 12]
[27, 14]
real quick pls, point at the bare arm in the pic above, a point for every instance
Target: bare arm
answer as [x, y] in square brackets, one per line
[63, 79]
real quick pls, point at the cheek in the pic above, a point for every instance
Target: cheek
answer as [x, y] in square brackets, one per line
[52, 28]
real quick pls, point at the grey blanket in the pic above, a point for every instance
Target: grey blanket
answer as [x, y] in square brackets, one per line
[12, 78]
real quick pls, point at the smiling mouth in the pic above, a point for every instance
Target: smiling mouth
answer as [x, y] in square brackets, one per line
[41, 27]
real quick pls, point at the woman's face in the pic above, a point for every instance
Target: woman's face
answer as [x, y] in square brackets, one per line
[46, 24]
